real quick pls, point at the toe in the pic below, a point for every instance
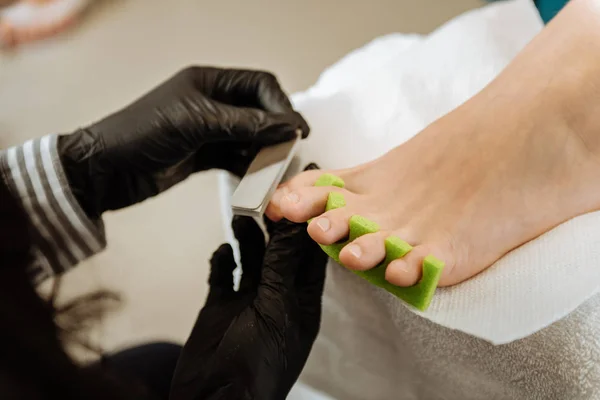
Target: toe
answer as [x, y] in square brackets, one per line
[304, 203]
[273, 211]
[331, 227]
[406, 271]
[305, 179]
[38, 19]
[365, 252]
[452, 274]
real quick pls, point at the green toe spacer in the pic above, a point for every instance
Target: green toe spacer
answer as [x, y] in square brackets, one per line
[329, 180]
[419, 295]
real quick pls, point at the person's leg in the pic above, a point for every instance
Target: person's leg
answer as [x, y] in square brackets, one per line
[29, 20]
[515, 161]
[150, 365]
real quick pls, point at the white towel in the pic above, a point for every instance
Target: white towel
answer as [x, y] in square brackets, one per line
[371, 345]
[383, 94]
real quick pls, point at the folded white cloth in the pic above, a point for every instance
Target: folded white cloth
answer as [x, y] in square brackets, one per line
[371, 345]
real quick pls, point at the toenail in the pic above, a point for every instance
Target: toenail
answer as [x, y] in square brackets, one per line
[354, 250]
[400, 268]
[292, 198]
[279, 194]
[324, 224]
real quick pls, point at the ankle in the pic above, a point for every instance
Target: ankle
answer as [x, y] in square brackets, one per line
[579, 114]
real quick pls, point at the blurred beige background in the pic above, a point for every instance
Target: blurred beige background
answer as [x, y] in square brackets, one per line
[158, 251]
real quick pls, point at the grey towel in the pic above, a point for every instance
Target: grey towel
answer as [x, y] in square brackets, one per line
[373, 348]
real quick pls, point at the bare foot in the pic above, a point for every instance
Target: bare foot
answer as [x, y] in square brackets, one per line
[516, 160]
[29, 20]
[481, 181]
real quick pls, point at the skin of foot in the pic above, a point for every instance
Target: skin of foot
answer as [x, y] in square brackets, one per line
[516, 160]
[31, 20]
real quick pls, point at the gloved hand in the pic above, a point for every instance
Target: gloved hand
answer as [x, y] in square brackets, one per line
[253, 344]
[201, 118]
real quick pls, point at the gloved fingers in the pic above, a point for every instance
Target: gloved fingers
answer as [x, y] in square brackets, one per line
[232, 157]
[284, 256]
[222, 265]
[310, 279]
[251, 88]
[233, 123]
[252, 248]
[314, 262]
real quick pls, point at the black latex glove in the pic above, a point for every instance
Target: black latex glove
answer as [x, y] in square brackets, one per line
[201, 118]
[253, 344]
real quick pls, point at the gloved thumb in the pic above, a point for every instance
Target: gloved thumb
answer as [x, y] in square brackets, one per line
[222, 265]
[283, 258]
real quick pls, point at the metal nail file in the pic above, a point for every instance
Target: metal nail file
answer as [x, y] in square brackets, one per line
[266, 171]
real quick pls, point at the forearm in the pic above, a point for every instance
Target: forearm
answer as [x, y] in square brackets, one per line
[64, 235]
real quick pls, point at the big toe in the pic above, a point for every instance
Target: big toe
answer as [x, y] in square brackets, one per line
[304, 203]
[305, 179]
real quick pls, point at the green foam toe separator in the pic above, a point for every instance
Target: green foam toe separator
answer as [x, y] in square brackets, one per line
[329, 180]
[419, 295]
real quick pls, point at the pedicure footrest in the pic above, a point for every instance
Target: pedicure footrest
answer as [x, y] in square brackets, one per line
[419, 295]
